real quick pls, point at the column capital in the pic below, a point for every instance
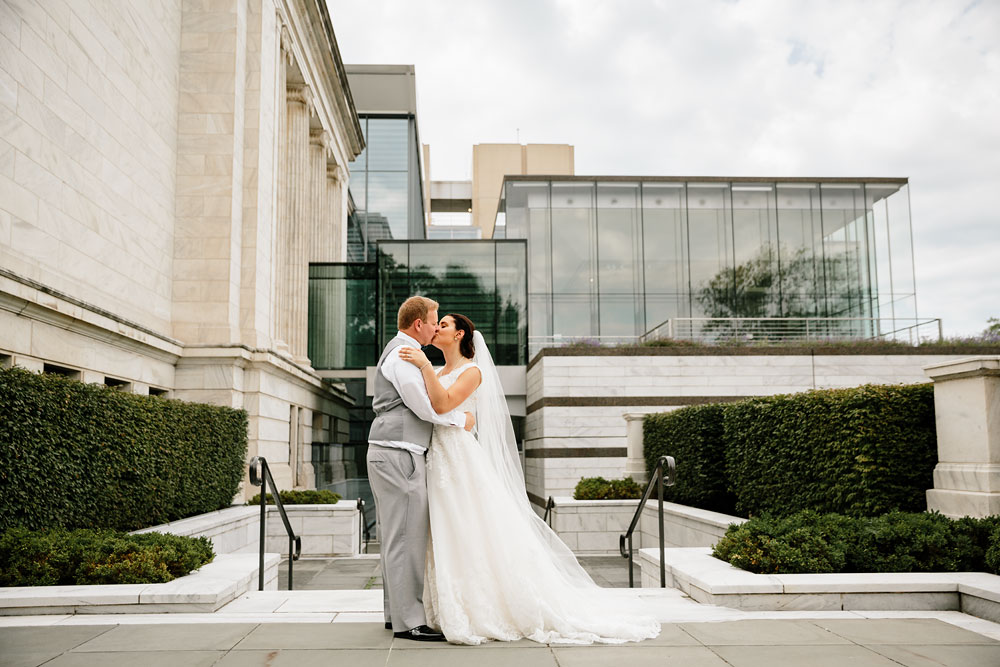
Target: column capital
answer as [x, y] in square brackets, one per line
[299, 93]
[334, 171]
[319, 137]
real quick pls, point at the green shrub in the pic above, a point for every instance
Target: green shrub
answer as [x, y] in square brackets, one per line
[895, 542]
[307, 497]
[693, 436]
[78, 455]
[862, 451]
[993, 551]
[598, 488]
[61, 557]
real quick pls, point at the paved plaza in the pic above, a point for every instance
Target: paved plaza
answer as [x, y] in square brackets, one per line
[746, 643]
[333, 617]
[364, 573]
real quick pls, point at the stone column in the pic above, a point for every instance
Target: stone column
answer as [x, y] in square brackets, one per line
[967, 413]
[318, 149]
[635, 464]
[335, 247]
[295, 227]
[279, 295]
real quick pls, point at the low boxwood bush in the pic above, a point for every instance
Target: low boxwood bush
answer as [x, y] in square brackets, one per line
[808, 541]
[598, 488]
[62, 557]
[863, 451]
[693, 436]
[77, 455]
[307, 497]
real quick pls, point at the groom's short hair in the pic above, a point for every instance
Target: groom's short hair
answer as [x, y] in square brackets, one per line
[413, 309]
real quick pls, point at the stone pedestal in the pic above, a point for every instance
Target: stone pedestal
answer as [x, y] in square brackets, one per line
[967, 410]
[635, 465]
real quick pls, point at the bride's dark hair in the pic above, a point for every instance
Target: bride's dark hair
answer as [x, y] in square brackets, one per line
[467, 347]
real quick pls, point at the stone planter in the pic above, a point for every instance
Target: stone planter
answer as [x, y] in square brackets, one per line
[593, 527]
[326, 530]
[709, 580]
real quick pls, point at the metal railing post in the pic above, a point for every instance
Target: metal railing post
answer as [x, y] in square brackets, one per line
[260, 475]
[664, 466]
[549, 504]
[659, 492]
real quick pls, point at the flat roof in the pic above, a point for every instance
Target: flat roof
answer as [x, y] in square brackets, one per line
[710, 179]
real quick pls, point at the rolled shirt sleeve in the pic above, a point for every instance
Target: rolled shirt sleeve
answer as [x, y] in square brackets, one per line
[408, 381]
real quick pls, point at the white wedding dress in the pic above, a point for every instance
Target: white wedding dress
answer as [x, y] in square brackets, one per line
[495, 571]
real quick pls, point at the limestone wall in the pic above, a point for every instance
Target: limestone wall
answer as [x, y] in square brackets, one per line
[168, 168]
[88, 150]
[575, 428]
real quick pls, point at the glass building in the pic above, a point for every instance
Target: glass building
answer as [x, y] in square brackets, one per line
[385, 185]
[613, 257]
[352, 307]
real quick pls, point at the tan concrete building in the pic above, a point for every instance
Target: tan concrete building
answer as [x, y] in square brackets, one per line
[480, 196]
[168, 169]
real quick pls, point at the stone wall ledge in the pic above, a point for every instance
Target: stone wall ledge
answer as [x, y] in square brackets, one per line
[711, 581]
[205, 590]
[202, 524]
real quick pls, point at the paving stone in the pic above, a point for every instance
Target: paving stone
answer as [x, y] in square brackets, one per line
[638, 656]
[756, 632]
[902, 631]
[162, 637]
[317, 636]
[132, 658]
[30, 646]
[304, 658]
[812, 656]
[959, 655]
[472, 655]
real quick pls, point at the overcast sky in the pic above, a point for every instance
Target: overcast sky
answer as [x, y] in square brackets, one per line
[752, 88]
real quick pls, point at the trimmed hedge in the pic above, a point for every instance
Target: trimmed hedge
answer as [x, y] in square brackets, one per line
[77, 455]
[862, 451]
[306, 497]
[693, 436]
[598, 488]
[810, 542]
[61, 557]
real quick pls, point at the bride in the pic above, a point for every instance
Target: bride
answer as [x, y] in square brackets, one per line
[494, 569]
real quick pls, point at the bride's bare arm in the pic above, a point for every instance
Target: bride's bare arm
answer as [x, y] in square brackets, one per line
[443, 400]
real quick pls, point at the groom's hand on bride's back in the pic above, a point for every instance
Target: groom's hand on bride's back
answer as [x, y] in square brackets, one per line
[470, 421]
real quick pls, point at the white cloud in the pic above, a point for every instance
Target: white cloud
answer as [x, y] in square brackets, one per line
[772, 87]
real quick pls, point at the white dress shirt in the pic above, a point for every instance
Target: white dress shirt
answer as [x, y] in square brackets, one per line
[409, 382]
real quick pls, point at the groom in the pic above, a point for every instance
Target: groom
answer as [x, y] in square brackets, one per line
[397, 444]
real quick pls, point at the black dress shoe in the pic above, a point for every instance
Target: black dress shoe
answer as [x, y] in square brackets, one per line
[421, 633]
[388, 626]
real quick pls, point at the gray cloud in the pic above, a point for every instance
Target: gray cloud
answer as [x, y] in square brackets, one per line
[773, 87]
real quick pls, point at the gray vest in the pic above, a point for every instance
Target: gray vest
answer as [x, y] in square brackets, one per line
[393, 420]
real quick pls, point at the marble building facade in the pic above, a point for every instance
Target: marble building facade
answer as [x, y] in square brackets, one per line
[168, 170]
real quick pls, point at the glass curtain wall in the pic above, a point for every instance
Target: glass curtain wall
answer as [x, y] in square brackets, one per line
[484, 280]
[385, 186]
[342, 326]
[617, 259]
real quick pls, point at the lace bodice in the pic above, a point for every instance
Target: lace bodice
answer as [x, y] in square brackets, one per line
[469, 404]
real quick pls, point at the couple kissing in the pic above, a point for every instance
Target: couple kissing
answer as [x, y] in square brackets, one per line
[464, 557]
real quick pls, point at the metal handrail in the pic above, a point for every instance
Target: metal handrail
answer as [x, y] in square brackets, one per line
[658, 480]
[364, 533]
[791, 328]
[549, 504]
[260, 475]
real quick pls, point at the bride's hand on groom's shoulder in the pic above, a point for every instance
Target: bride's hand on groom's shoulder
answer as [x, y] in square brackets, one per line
[413, 355]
